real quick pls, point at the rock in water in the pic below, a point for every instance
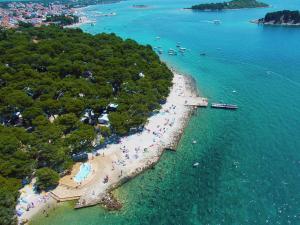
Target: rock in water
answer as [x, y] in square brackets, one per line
[110, 202]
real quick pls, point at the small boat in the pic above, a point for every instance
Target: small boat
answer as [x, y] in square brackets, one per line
[196, 164]
[172, 52]
[233, 91]
[224, 106]
[182, 49]
[216, 21]
[157, 38]
[178, 44]
[140, 6]
[160, 51]
[194, 142]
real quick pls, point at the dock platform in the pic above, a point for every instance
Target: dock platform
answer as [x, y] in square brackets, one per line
[196, 102]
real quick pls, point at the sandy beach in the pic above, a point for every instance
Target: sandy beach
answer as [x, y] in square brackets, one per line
[117, 163]
[83, 19]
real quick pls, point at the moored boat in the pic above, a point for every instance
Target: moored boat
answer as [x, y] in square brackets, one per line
[223, 106]
[216, 21]
[172, 52]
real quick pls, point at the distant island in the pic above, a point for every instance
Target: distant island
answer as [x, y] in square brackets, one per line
[234, 4]
[285, 17]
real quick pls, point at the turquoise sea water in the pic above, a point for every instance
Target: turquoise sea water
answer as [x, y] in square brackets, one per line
[249, 170]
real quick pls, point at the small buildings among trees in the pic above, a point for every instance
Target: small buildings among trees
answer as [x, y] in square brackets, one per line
[46, 78]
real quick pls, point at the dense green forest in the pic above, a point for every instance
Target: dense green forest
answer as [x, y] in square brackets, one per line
[234, 4]
[55, 85]
[280, 17]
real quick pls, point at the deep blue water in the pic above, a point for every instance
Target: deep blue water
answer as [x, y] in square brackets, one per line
[249, 159]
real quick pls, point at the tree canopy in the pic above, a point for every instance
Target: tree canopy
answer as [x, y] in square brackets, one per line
[55, 84]
[46, 178]
[62, 20]
[281, 17]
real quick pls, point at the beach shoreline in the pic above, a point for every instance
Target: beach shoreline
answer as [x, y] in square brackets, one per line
[172, 145]
[83, 19]
[135, 154]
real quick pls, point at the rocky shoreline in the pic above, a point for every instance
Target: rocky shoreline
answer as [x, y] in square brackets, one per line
[275, 24]
[280, 18]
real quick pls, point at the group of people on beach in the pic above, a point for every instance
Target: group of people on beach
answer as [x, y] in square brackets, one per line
[155, 135]
[26, 204]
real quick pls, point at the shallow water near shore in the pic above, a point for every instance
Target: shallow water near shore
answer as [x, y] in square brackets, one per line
[249, 159]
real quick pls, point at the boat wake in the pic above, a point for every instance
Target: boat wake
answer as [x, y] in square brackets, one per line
[211, 21]
[269, 72]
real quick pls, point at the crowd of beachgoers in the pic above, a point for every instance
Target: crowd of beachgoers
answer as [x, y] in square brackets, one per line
[126, 159]
[154, 135]
[30, 201]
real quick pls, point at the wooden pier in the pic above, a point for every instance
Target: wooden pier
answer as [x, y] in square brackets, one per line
[196, 102]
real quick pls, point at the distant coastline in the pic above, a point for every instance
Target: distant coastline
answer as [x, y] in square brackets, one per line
[14, 14]
[26, 14]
